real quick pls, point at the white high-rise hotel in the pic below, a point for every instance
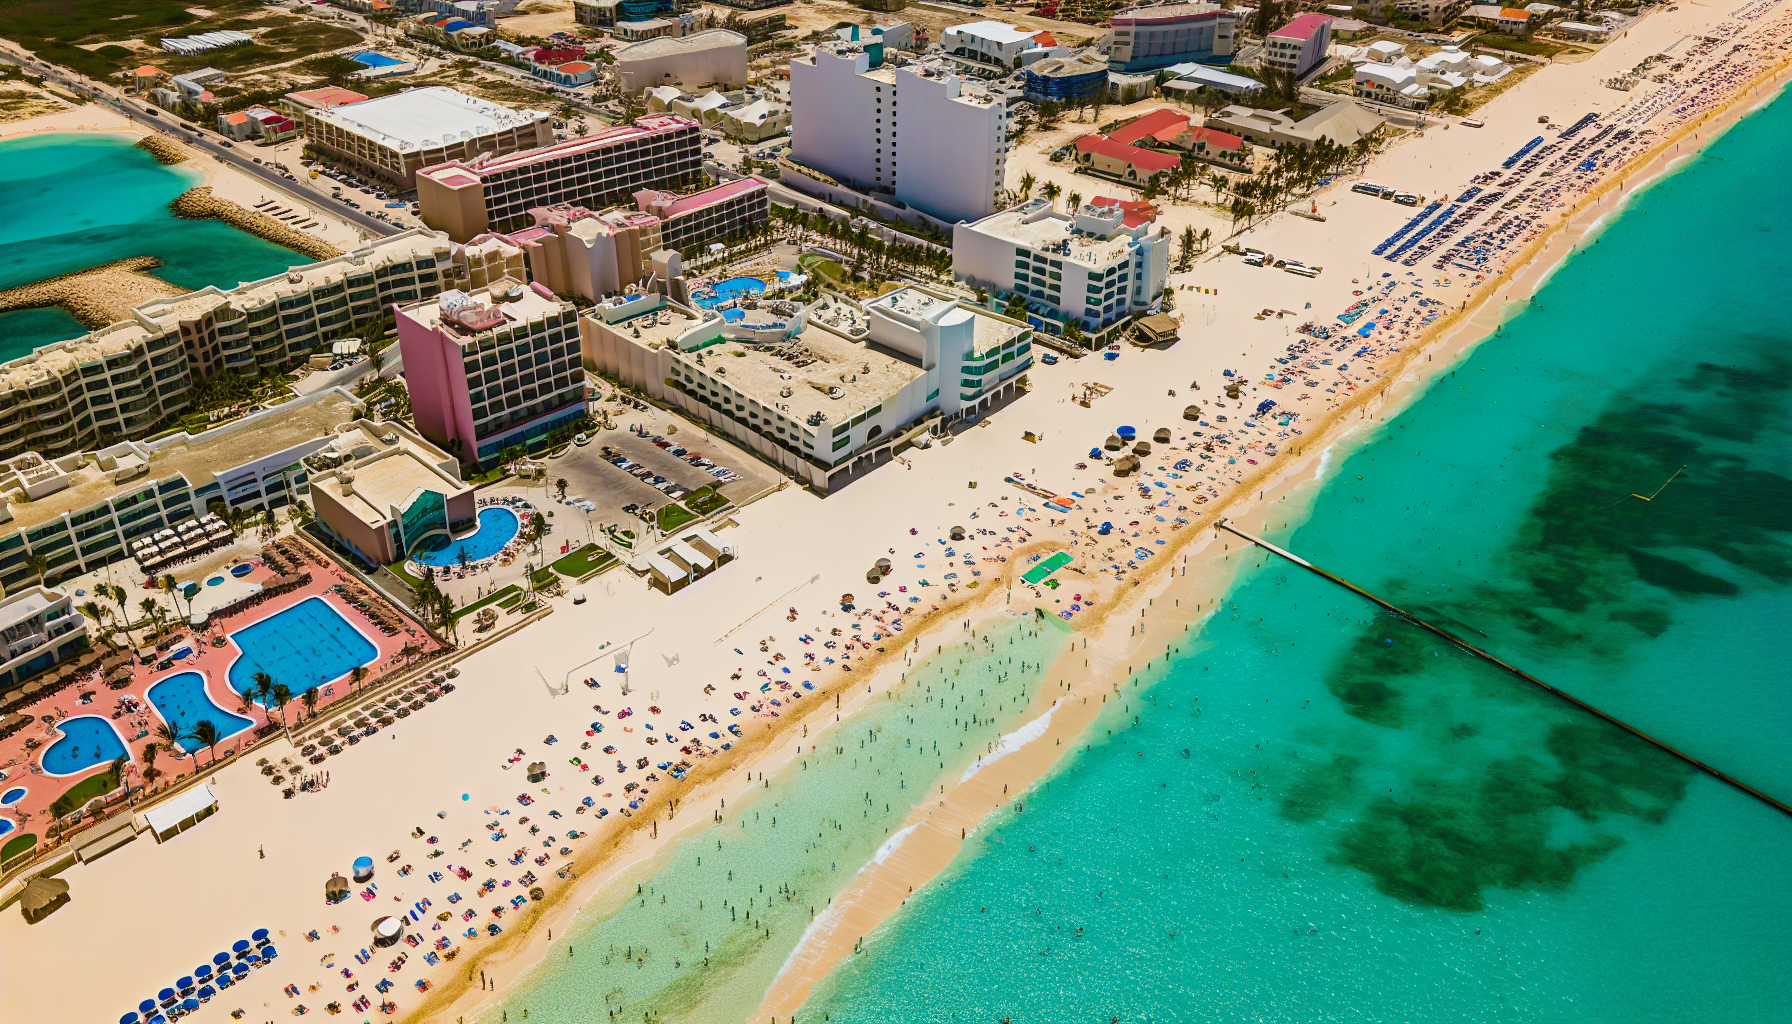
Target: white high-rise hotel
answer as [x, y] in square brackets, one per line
[935, 140]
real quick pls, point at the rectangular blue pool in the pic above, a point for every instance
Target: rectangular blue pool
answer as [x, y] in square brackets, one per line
[304, 646]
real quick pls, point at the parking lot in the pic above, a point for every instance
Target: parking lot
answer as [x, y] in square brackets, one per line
[612, 490]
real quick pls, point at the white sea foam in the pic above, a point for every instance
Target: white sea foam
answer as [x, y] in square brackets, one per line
[1010, 743]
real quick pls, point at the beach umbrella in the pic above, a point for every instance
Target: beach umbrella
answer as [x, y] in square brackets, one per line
[1162, 436]
[166, 996]
[189, 1005]
[185, 984]
[206, 992]
[1126, 432]
[1142, 448]
[239, 946]
[147, 1006]
[129, 1018]
[1113, 443]
[220, 958]
[202, 972]
[269, 953]
[240, 969]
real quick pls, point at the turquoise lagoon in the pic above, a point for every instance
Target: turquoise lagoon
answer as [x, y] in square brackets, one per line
[78, 199]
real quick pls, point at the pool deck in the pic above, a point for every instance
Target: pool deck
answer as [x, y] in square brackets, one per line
[23, 767]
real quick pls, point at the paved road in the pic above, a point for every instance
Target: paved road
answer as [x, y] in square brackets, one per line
[208, 141]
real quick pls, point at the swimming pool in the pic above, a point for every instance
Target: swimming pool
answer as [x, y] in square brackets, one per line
[733, 288]
[13, 796]
[304, 646]
[497, 527]
[6, 826]
[241, 569]
[182, 702]
[374, 59]
[86, 741]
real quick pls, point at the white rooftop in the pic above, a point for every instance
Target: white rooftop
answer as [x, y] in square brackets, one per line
[426, 118]
[1000, 31]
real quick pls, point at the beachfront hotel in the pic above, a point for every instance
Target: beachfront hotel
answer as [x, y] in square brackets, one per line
[38, 628]
[492, 369]
[382, 492]
[1097, 266]
[85, 510]
[396, 136]
[472, 195]
[689, 222]
[848, 113]
[1300, 45]
[1146, 38]
[124, 379]
[825, 391]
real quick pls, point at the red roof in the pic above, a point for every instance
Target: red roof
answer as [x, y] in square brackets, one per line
[1045, 39]
[577, 67]
[1514, 14]
[1136, 213]
[1149, 160]
[1217, 139]
[1302, 27]
[1162, 125]
[327, 97]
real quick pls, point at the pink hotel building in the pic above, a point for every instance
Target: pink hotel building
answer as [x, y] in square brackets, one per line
[497, 368]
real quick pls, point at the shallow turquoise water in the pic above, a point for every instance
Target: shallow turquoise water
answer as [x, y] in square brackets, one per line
[1328, 815]
[713, 922]
[76, 200]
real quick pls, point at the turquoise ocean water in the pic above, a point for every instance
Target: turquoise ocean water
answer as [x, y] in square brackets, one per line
[76, 200]
[1322, 813]
[711, 923]
[1328, 815]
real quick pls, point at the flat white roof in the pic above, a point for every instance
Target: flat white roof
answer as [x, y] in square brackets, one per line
[1000, 31]
[177, 809]
[426, 118]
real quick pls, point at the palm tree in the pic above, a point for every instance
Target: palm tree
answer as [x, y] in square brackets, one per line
[264, 686]
[98, 615]
[149, 760]
[1026, 184]
[1074, 201]
[357, 676]
[206, 733]
[309, 699]
[117, 593]
[1189, 241]
[37, 565]
[282, 694]
[152, 610]
[166, 735]
[561, 485]
[1051, 191]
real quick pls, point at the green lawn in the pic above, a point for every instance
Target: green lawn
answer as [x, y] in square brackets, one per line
[498, 596]
[583, 562]
[17, 845]
[704, 500]
[673, 515]
[544, 578]
[399, 570]
[1518, 44]
[81, 792]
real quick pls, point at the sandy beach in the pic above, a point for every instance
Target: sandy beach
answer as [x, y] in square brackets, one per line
[437, 784]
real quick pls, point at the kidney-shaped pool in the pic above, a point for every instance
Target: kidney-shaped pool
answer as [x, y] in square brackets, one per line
[182, 702]
[86, 741]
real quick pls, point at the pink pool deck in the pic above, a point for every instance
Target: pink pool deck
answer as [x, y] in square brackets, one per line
[23, 768]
